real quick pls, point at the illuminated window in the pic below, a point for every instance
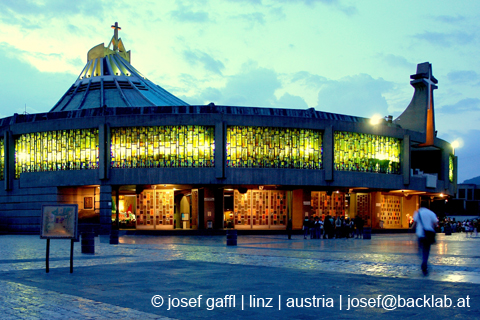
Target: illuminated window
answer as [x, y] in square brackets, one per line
[264, 147]
[450, 167]
[165, 146]
[366, 153]
[2, 159]
[56, 150]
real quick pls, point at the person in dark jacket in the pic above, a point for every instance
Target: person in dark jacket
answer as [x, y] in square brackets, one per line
[306, 227]
[359, 226]
[289, 228]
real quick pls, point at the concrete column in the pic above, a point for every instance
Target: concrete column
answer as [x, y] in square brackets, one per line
[406, 159]
[9, 160]
[104, 155]
[328, 153]
[220, 149]
[209, 207]
[445, 167]
[105, 209]
[307, 203]
[297, 209]
[5, 161]
[376, 202]
[455, 173]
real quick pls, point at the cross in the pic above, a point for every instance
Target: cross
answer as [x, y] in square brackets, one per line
[116, 27]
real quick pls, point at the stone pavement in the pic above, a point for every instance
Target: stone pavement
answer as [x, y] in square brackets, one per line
[263, 277]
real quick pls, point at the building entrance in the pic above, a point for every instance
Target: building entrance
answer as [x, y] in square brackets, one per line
[156, 208]
[260, 209]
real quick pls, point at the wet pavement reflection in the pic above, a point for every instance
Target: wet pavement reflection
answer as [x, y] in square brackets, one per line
[453, 258]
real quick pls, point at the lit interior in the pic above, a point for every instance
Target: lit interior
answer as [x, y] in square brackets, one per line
[163, 146]
[366, 153]
[264, 147]
[56, 150]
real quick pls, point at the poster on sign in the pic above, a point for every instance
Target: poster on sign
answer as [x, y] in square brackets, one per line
[59, 221]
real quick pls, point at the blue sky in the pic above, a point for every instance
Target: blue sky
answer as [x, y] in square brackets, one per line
[350, 57]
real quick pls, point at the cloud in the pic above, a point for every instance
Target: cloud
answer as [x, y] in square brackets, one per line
[464, 76]
[289, 101]
[254, 87]
[196, 57]
[308, 79]
[446, 39]
[464, 105]
[252, 18]
[359, 95]
[186, 14]
[254, 2]
[398, 61]
[44, 88]
[449, 19]
[44, 62]
[54, 8]
[337, 4]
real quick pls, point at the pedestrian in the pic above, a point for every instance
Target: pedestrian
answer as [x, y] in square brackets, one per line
[359, 226]
[289, 229]
[326, 227]
[317, 229]
[313, 232]
[352, 228]
[338, 227]
[306, 226]
[320, 230]
[331, 233]
[425, 222]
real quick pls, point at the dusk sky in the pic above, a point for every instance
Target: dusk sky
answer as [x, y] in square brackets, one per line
[349, 57]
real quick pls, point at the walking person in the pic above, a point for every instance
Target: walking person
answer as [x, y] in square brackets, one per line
[338, 228]
[359, 226]
[326, 227]
[425, 222]
[306, 227]
[289, 229]
[320, 228]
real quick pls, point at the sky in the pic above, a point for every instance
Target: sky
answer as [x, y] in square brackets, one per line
[341, 56]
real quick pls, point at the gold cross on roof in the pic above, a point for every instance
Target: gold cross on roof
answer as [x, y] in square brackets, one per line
[116, 27]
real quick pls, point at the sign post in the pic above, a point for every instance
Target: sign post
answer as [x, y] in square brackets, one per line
[59, 222]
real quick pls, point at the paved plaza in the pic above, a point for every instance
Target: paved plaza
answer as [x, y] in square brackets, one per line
[263, 277]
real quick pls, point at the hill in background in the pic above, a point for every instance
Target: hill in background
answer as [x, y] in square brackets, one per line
[475, 180]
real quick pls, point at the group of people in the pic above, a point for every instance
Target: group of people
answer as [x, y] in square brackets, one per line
[425, 223]
[332, 227]
[468, 226]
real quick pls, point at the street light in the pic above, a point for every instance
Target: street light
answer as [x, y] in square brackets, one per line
[375, 119]
[458, 143]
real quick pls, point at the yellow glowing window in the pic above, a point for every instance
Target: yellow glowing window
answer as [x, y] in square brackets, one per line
[2, 159]
[163, 146]
[265, 147]
[450, 167]
[366, 153]
[56, 150]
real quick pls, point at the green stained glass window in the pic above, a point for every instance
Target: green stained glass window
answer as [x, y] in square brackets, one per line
[2, 159]
[265, 147]
[56, 150]
[366, 153]
[450, 167]
[163, 146]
